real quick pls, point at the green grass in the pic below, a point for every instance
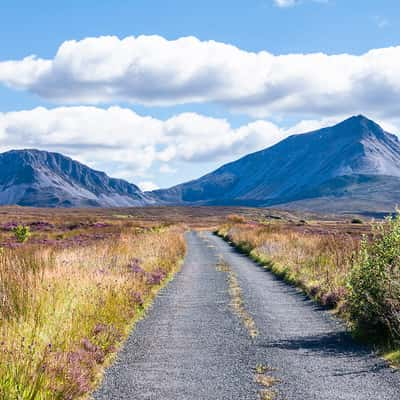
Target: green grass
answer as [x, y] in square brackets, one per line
[393, 357]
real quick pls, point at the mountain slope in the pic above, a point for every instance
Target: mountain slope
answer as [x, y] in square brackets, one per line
[44, 179]
[301, 167]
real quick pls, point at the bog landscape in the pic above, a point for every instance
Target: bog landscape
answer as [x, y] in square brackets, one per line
[237, 238]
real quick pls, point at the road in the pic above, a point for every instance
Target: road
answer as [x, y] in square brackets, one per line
[224, 323]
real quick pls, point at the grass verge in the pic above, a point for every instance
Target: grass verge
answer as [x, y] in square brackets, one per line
[65, 312]
[358, 278]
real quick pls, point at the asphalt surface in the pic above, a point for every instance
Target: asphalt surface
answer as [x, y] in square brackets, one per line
[192, 345]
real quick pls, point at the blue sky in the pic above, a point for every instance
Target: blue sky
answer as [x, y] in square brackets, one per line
[171, 154]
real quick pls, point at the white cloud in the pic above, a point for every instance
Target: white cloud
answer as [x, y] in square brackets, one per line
[116, 138]
[309, 125]
[126, 144]
[151, 70]
[148, 186]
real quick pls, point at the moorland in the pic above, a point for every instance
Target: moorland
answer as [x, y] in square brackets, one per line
[74, 282]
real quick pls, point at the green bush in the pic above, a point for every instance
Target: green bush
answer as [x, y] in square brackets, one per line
[22, 233]
[374, 284]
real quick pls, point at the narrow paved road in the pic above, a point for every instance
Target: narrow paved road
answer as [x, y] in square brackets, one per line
[192, 345]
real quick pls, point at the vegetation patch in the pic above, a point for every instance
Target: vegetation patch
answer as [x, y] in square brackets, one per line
[64, 311]
[393, 357]
[374, 285]
[237, 303]
[266, 381]
[357, 277]
[318, 264]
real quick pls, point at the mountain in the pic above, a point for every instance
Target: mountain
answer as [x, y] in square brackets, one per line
[355, 163]
[352, 167]
[44, 179]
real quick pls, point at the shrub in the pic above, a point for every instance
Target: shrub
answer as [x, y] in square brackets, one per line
[236, 219]
[22, 233]
[357, 221]
[374, 284]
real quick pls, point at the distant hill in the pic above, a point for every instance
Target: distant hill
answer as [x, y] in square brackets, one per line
[353, 166]
[44, 179]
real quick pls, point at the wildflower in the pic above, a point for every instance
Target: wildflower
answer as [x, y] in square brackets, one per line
[134, 267]
[99, 328]
[88, 346]
[137, 298]
[156, 277]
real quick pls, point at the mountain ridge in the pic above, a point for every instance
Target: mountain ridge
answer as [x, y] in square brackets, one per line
[32, 177]
[354, 164]
[295, 166]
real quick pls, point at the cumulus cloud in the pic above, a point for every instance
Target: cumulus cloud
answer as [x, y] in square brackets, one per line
[148, 186]
[126, 144]
[151, 70]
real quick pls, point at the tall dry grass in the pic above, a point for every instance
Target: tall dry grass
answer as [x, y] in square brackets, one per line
[64, 312]
[319, 264]
[359, 276]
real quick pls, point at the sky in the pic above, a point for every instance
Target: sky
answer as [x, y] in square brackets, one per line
[159, 92]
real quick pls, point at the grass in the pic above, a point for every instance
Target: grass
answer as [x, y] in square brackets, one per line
[323, 262]
[65, 310]
[71, 293]
[267, 394]
[318, 264]
[393, 357]
[267, 382]
[237, 303]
